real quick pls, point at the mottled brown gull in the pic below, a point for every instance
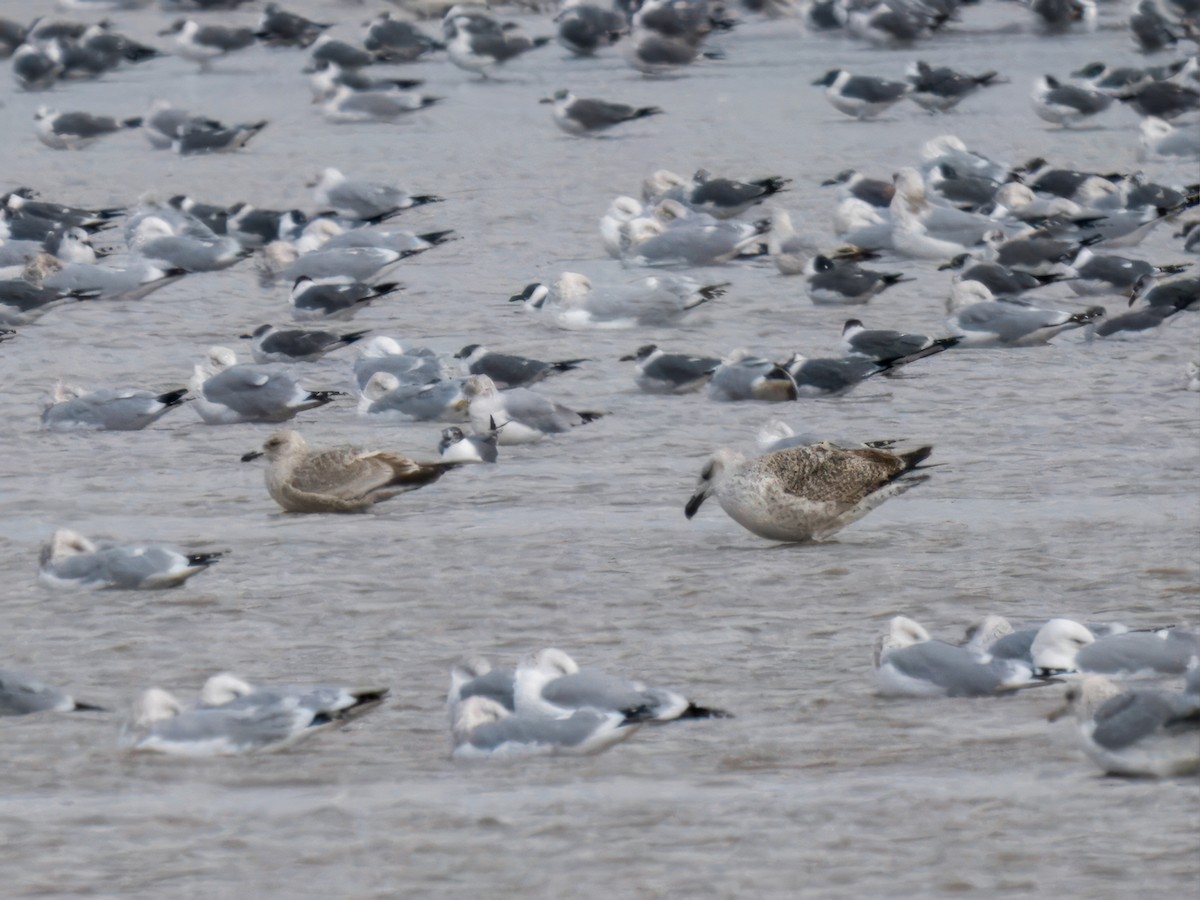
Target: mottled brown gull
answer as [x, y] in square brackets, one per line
[338, 479]
[805, 493]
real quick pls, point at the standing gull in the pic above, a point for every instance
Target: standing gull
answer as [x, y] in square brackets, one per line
[861, 96]
[805, 493]
[338, 479]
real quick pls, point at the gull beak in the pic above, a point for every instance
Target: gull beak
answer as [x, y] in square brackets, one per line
[1056, 714]
[546, 100]
[693, 505]
[629, 358]
[252, 455]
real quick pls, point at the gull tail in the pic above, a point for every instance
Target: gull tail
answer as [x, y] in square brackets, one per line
[135, 122]
[1091, 314]
[351, 336]
[88, 707]
[323, 397]
[645, 111]
[589, 417]
[890, 278]
[172, 398]
[713, 291]
[204, 560]
[382, 290]
[772, 184]
[704, 712]
[566, 365]
[437, 237]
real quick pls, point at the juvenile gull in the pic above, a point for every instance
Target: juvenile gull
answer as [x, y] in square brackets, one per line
[805, 493]
[273, 345]
[336, 297]
[483, 728]
[588, 115]
[227, 393]
[338, 479]
[1137, 732]
[457, 447]
[508, 370]
[550, 683]
[71, 561]
[106, 409]
[671, 373]
[518, 415]
[22, 694]
[160, 724]
[76, 130]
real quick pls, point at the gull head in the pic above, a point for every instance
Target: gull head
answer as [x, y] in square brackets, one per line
[154, 705]
[1086, 696]
[379, 346]
[572, 286]
[223, 688]
[533, 295]
[707, 484]
[479, 386]
[280, 445]
[380, 385]
[65, 543]
[473, 712]
[1056, 644]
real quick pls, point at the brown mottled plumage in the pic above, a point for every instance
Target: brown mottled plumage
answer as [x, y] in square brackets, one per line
[339, 479]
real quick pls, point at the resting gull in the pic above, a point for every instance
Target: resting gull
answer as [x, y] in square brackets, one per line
[336, 297]
[508, 370]
[70, 560]
[106, 409]
[581, 116]
[671, 373]
[227, 393]
[458, 447]
[21, 694]
[805, 493]
[385, 396]
[289, 345]
[519, 416]
[743, 375]
[338, 479]
[483, 728]
[1062, 645]
[226, 691]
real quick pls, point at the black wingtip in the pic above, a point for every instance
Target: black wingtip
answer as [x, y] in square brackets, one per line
[705, 712]
[205, 559]
[172, 398]
[88, 707]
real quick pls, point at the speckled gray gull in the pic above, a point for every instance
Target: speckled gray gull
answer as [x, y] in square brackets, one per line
[982, 321]
[861, 96]
[909, 663]
[334, 298]
[1137, 732]
[338, 479]
[581, 116]
[574, 302]
[160, 724]
[804, 493]
[386, 397]
[105, 409]
[415, 365]
[362, 199]
[1063, 645]
[519, 416]
[508, 370]
[227, 691]
[77, 130]
[288, 345]
[459, 447]
[550, 683]
[484, 729]
[22, 694]
[744, 375]
[227, 393]
[659, 372]
[71, 561]
[883, 343]
[846, 283]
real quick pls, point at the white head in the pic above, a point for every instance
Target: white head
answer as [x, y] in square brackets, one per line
[641, 230]
[149, 229]
[223, 688]
[380, 385]
[572, 286]
[668, 210]
[479, 386]
[154, 705]
[966, 293]
[465, 670]
[661, 182]
[941, 145]
[772, 432]
[473, 712]
[624, 209]
[65, 543]
[910, 190]
[63, 391]
[218, 359]
[853, 213]
[987, 631]
[1014, 195]
[329, 177]
[283, 443]
[379, 346]
[534, 672]
[1056, 644]
[317, 233]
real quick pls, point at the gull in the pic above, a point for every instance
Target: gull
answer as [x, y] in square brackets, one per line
[394, 40]
[1135, 321]
[338, 479]
[22, 694]
[877, 344]
[281, 260]
[227, 691]
[477, 43]
[861, 96]
[828, 376]
[163, 123]
[671, 373]
[272, 345]
[280, 28]
[106, 409]
[847, 283]
[133, 282]
[509, 371]
[1180, 292]
[1162, 99]
[724, 198]
[982, 321]
[550, 683]
[875, 191]
[22, 302]
[1066, 104]
[745, 376]
[70, 561]
[204, 43]
[386, 238]
[1159, 138]
[328, 76]
[1092, 273]
[584, 28]
[1137, 732]
[1063, 645]
[519, 416]
[385, 396]
[76, 130]
[941, 89]
[588, 115]
[922, 230]
[160, 724]
[787, 248]
[805, 493]
[227, 393]
[574, 302]
[361, 199]
[37, 68]
[1151, 30]
[335, 297]
[1000, 280]
[385, 354]
[473, 676]
[457, 447]
[652, 53]
[154, 239]
[341, 53]
[698, 241]
[483, 728]
[863, 225]
[349, 105]
[780, 436]
[910, 664]
[195, 138]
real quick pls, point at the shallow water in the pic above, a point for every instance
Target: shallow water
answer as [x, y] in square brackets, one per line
[1068, 487]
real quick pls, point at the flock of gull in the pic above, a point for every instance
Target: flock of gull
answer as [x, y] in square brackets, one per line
[1002, 232]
